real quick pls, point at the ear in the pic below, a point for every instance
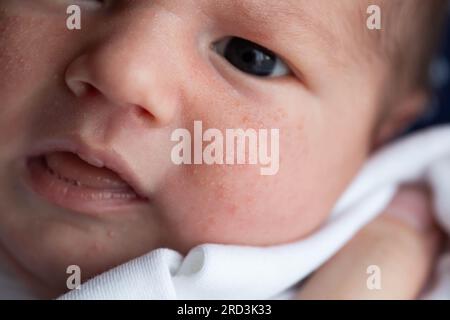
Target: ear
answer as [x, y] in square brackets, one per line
[400, 116]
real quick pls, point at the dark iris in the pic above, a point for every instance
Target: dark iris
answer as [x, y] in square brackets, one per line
[250, 57]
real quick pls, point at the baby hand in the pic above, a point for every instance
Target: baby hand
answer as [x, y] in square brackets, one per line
[402, 243]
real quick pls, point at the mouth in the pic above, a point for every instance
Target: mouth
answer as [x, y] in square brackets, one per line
[82, 183]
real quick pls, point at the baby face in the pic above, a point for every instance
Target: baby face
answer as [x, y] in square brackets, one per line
[113, 93]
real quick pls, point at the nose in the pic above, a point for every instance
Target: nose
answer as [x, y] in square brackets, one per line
[130, 68]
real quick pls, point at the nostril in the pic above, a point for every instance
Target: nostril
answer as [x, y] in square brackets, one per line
[143, 113]
[90, 91]
[83, 89]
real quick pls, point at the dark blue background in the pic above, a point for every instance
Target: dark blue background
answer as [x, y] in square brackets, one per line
[439, 111]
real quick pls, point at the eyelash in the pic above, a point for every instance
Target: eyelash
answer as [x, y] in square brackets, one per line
[251, 58]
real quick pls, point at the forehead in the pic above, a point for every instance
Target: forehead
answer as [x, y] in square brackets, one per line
[306, 11]
[289, 8]
[331, 21]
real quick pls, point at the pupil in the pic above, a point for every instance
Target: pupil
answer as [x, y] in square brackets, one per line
[249, 56]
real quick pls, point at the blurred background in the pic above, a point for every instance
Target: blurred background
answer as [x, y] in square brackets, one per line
[439, 110]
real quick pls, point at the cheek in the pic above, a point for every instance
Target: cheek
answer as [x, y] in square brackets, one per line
[227, 205]
[29, 51]
[236, 204]
[29, 57]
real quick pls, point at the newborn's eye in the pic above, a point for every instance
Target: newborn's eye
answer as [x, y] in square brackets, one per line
[251, 58]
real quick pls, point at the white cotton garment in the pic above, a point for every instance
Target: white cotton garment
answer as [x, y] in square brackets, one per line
[214, 271]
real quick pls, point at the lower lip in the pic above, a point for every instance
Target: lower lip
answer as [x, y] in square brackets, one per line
[71, 195]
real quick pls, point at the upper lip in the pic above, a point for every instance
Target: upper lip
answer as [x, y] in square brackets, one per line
[106, 157]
